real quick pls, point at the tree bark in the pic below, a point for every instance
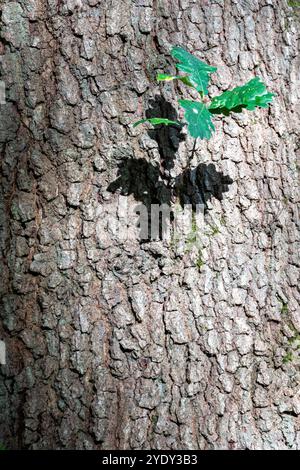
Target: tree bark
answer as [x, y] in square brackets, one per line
[123, 344]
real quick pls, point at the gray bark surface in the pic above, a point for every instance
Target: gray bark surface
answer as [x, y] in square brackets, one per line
[129, 345]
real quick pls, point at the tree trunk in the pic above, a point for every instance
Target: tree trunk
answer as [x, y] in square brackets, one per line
[116, 343]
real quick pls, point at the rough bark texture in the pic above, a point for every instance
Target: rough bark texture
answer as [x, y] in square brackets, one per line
[115, 344]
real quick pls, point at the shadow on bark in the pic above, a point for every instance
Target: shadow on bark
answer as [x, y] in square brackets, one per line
[199, 185]
[152, 184]
[144, 181]
[168, 138]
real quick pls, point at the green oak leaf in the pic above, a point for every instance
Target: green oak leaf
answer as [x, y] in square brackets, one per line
[198, 119]
[199, 72]
[157, 121]
[161, 77]
[249, 96]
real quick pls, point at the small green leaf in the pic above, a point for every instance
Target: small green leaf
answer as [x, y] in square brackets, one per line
[198, 119]
[167, 78]
[249, 96]
[185, 79]
[157, 121]
[199, 72]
